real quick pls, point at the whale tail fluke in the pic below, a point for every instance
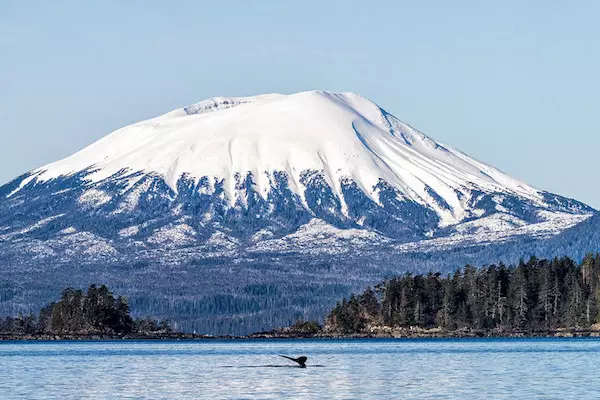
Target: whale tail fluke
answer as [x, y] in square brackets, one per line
[300, 360]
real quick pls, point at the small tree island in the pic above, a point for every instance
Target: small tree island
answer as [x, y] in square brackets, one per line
[96, 313]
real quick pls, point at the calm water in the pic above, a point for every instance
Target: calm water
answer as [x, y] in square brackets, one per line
[348, 369]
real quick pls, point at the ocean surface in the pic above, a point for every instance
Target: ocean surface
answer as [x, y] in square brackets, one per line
[336, 369]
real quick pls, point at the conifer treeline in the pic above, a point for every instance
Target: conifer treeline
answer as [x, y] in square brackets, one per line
[538, 295]
[79, 313]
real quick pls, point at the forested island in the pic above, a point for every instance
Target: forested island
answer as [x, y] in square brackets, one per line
[534, 298]
[539, 297]
[95, 314]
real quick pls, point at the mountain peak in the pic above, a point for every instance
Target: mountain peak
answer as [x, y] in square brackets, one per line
[221, 103]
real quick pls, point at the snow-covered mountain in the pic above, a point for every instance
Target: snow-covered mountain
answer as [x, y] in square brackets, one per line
[309, 173]
[271, 163]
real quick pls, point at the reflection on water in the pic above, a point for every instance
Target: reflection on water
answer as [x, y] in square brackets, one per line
[351, 369]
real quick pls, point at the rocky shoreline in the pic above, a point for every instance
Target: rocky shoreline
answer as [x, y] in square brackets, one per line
[380, 333]
[417, 333]
[69, 337]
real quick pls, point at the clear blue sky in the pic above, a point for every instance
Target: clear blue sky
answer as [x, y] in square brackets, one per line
[514, 83]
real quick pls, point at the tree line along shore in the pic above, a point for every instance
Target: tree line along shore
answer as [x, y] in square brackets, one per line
[540, 297]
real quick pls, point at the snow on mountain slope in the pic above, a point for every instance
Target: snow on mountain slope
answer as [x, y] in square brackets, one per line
[344, 135]
[318, 237]
[496, 228]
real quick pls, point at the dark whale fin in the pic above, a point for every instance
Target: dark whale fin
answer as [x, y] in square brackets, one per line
[300, 360]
